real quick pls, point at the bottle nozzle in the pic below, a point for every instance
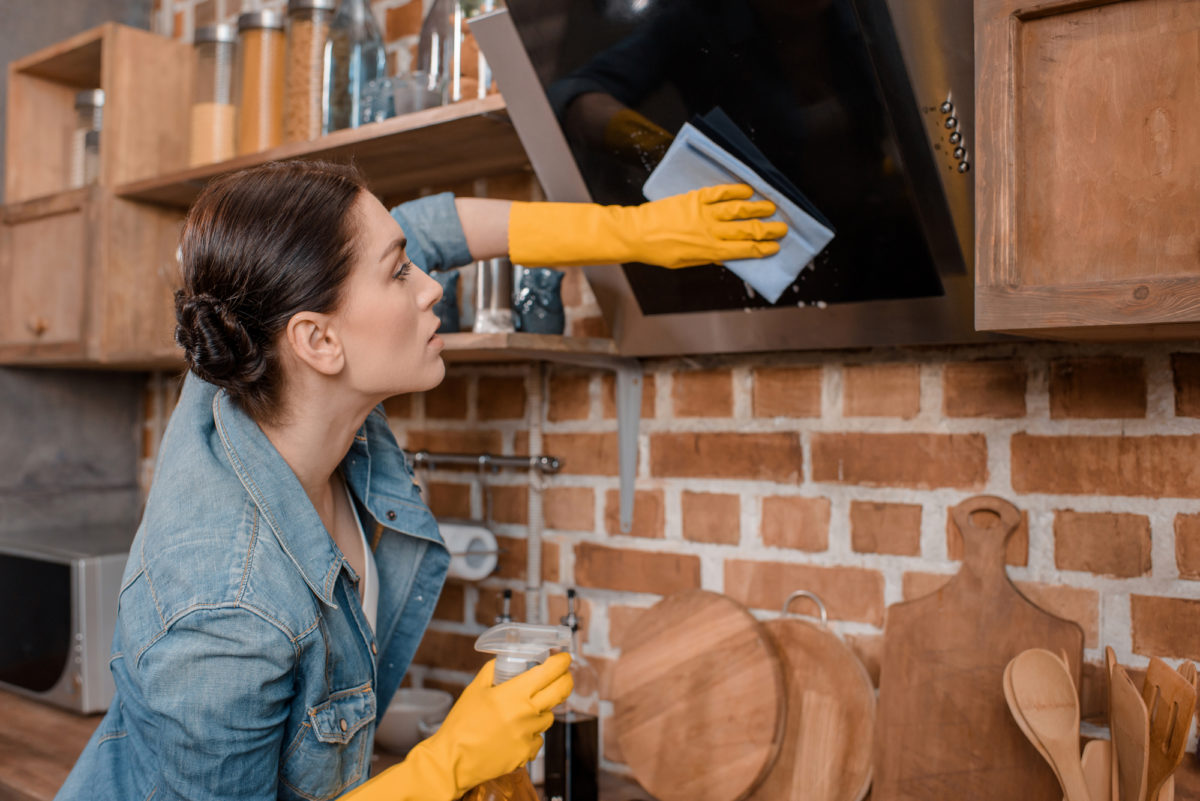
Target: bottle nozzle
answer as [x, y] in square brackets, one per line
[520, 646]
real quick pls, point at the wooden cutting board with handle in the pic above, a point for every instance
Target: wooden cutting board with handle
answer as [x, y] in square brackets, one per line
[825, 753]
[698, 699]
[943, 730]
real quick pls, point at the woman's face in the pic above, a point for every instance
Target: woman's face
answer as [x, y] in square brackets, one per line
[386, 318]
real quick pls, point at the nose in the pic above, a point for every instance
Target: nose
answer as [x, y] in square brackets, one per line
[430, 292]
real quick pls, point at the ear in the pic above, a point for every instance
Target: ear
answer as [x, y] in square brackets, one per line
[313, 339]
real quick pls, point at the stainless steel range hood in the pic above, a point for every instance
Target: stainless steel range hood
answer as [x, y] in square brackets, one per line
[918, 61]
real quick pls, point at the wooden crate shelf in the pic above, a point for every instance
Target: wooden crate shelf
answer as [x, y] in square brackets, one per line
[436, 146]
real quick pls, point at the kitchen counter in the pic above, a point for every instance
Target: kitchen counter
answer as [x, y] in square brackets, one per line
[40, 743]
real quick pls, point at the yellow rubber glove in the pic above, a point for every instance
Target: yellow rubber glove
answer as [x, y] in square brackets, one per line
[490, 731]
[713, 224]
[634, 138]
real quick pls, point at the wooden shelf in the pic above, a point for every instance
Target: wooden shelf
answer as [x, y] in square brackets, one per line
[436, 146]
[512, 347]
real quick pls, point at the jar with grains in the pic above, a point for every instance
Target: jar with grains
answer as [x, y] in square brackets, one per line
[261, 52]
[303, 97]
[212, 95]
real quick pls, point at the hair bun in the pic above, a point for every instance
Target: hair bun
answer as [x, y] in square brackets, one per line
[215, 343]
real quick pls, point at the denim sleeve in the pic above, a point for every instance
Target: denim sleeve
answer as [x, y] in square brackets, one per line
[219, 686]
[435, 235]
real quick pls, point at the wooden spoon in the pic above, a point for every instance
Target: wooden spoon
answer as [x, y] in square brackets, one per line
[1020, 719]
[1097, 769]
[1170, 700]
[1130, 734]
[1045, 694]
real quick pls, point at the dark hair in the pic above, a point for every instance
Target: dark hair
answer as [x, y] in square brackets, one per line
[257, 247]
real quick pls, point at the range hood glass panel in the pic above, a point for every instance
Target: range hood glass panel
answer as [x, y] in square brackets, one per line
[802, 79]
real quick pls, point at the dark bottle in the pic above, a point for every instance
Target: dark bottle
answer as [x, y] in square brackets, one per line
[572, 754]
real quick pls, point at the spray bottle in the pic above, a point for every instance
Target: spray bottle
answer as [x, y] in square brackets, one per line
[518, 647]
[573, 743]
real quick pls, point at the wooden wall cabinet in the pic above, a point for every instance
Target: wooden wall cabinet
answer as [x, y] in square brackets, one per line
[86, 277]
[1088, 182]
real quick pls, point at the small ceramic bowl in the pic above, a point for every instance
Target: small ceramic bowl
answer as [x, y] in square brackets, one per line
[398, 728]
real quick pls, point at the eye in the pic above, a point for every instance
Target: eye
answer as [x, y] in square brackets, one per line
[402, 273]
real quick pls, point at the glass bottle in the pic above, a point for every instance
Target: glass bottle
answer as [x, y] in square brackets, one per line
[449, 63]
[89, 116]
[308, 28]
[261, 46]
[573, 740]
[356, 57]
[212, 95]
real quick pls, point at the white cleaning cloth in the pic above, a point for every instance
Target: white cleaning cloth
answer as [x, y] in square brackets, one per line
[694, 161]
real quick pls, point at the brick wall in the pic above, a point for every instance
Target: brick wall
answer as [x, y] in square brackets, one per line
[827, 471]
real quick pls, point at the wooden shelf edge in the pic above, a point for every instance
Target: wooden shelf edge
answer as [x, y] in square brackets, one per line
[180, 188]
[36, 62]
[516, 346]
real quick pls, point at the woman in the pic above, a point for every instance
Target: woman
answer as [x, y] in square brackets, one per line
[286, 567]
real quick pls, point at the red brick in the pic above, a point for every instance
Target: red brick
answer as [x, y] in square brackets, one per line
[510, 504]
[849, 593]
[787, 392]
[443, 441]
[448, 400]
[1016, 549]
[1165, 627]
[1187, 546]
[890, 528]
[1097, 387]
[449, 500]
[984, 388]
[703, 393]
[798, 523]
[403, 20]
[513, 559]
[608, 395]
[491, 604]
[1072, 603]
[590, 327]
[766, 456]
[449, 651]
[920, 461]
[570, 397]
[501, 398]
[649, 514]
[204, 13]
[627, 570]
[1156, 467]
[521, 443]
[398, 406]
[1103, 543]
[569, 508]
[711, 517]
[1185, 369]
[583, 454]
[882, 390]
[451, 605]
[622, 619]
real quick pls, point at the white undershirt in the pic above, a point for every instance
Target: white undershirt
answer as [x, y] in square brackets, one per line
[369, 580]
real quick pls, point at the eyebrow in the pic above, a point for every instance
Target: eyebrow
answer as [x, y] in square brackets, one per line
[399, 242]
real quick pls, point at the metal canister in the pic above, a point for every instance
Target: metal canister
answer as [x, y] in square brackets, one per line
[493, 295]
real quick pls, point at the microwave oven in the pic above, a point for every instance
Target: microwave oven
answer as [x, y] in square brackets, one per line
[58, 593]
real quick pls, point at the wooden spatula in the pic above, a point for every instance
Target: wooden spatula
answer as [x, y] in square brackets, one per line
[1045, 694]
[1130, 732]
[1170, 700]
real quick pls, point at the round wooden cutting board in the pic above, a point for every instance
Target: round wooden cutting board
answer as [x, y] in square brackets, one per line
[698, 698]
[825, 753]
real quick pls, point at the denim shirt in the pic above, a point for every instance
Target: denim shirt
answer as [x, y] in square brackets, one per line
[244, 665]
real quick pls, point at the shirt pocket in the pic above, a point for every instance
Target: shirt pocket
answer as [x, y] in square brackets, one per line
[330, 753]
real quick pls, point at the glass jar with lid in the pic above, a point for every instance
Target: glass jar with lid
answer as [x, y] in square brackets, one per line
[449, 64]
[89, 117]
[356, 57]
[308, 27]
[261, 52]
[213, 111]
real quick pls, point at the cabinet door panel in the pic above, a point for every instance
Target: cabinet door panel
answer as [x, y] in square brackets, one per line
[1089, 167]
[43, 278]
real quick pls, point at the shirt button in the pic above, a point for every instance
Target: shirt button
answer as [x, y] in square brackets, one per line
[342, 723]
[391, 515]
[374, 650]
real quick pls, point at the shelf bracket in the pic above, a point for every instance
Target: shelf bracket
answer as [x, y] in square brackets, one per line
[629, 415]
